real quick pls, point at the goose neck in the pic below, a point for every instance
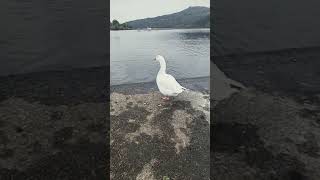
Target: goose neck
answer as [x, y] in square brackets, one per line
[162, 67]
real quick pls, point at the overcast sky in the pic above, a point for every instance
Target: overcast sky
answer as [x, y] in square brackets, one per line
[126, 10]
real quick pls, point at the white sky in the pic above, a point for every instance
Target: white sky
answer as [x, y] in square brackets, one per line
[126, 10]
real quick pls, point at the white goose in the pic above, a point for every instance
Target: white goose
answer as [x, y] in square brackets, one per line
[167, 84]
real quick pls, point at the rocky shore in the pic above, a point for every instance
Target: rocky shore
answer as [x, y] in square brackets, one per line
[54, 125]
[153, 139]
[268, 129]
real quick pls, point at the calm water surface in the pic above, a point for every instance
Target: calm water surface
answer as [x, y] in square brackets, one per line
[52, 35]
[255, 26]
[187, 52]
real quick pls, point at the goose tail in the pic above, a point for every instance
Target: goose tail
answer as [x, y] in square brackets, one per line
[185, 89]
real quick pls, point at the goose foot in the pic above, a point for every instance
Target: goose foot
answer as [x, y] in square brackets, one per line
[165, 98]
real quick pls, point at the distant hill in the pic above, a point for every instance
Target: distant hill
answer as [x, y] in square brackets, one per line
[192, 17]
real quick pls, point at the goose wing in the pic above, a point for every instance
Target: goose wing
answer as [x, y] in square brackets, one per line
[168, 82]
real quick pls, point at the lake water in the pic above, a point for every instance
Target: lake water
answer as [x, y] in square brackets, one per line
[255, 26]
[52, 35]
[187, 52]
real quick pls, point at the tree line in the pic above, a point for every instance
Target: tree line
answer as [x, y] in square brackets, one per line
[115, 25]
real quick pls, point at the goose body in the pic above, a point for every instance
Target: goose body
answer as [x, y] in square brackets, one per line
[166, 83]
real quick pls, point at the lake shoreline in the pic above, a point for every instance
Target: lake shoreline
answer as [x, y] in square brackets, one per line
[57, 86]
[201, 84]
[46, 107]
[159, 29]
[290, 72]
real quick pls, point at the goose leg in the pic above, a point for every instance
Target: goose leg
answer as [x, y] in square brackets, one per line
[165, 98]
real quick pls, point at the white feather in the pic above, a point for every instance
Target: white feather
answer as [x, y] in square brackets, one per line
[167, 84]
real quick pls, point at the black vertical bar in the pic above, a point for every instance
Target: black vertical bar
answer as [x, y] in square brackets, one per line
[54, 81]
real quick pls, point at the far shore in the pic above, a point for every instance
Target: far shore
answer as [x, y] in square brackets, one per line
[144, 29]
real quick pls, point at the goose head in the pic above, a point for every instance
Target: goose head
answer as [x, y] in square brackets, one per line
[162, 62]
[160, 59]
